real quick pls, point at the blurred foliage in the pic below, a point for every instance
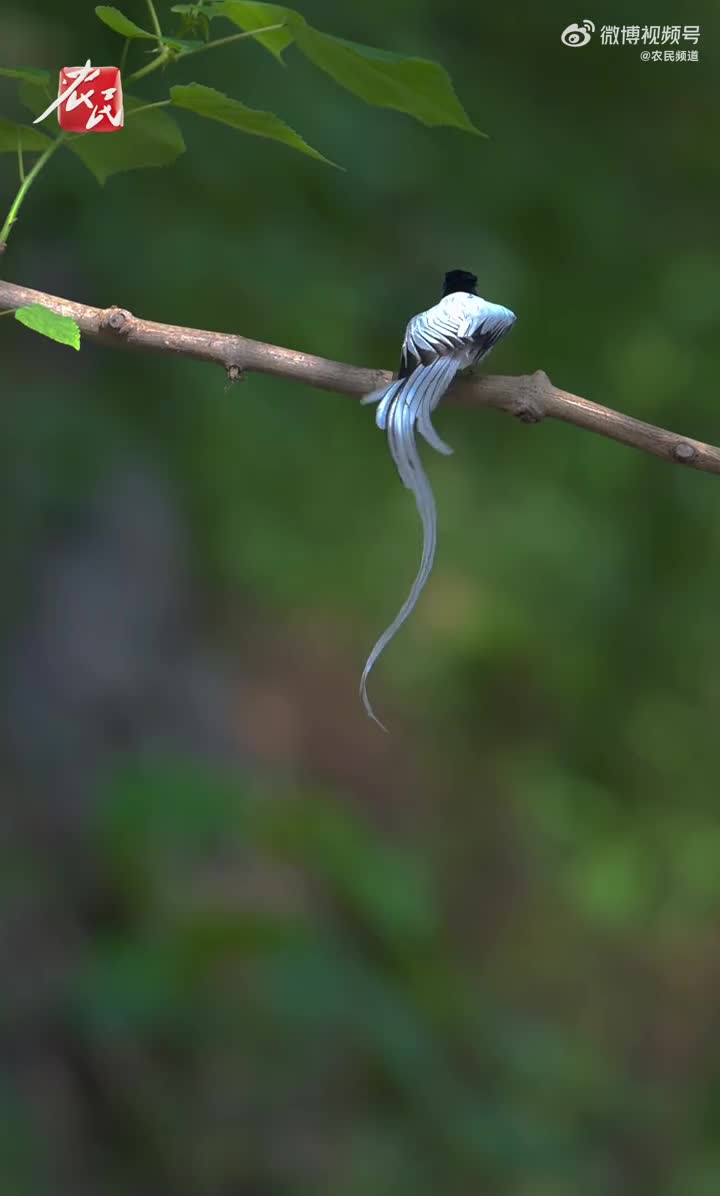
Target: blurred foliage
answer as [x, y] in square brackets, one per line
[482, 956]
[360, 976]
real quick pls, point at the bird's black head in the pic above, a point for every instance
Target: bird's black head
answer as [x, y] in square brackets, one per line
[459, 280]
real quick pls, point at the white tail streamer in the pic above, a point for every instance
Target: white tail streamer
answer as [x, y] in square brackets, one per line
[403, 405]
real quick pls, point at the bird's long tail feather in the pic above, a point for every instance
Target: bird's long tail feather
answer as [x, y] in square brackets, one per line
[403, 405]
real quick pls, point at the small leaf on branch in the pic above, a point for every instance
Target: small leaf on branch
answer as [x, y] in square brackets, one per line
[62, 329]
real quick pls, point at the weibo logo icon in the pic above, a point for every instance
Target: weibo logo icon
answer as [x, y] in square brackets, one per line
[577, 35]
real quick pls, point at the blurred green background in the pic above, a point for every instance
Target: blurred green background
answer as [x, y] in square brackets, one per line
[248, 944]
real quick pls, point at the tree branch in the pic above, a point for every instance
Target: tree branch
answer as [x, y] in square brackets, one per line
[530, 398]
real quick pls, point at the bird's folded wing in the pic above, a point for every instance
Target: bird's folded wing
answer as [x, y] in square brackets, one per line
[485, 328]
[427, 340]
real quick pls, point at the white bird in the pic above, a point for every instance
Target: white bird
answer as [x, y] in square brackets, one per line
[457, 332]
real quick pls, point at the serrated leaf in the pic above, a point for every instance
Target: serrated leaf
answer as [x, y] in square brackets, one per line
[412, 85]
[62, 329]
[30, 139]
[30, 74]
[249, 15]
[151, 138]
[207, 102]
[119, 23]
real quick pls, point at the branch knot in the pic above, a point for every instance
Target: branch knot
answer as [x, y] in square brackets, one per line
[684, 452]
[234, 373]
[115, 319]
[529, 407]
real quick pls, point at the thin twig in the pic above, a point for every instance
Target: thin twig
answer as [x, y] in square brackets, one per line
[27, 183]
[530, 398]
[161, 57]
[146, 108]
[154, 18]
[21, 164]
[234, 37]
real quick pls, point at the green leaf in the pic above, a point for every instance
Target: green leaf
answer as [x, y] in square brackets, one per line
[206, 101]
[119, 23]
[30, 139]
[34, 97]
[62, 329]
[250, 15]
[151, 138]
[413, 85]
[30, 74]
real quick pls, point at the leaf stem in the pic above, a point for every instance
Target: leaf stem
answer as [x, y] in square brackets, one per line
[161, 59]
[26, 184]
[146, 108]
[234, 37]
[167, 53]
[154, 18]
[123, 56]
[21, 166]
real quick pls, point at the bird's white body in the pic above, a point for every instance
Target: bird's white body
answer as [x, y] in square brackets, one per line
[457, 332]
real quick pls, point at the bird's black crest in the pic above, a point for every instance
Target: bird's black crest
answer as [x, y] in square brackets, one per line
[459, 280]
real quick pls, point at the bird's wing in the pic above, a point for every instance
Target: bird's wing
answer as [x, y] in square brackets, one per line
[471, 327]
[485, 327]
[430, 335]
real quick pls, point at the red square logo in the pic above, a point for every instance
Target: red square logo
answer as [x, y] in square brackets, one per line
[92, 105]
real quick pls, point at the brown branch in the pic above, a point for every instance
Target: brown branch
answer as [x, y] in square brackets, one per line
[530, 397]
